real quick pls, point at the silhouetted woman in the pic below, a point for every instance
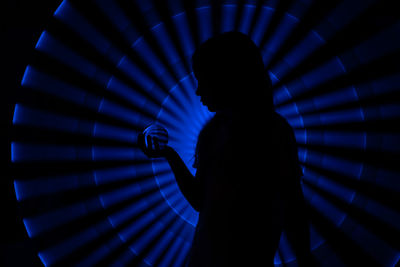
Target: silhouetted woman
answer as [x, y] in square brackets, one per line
[247, 184]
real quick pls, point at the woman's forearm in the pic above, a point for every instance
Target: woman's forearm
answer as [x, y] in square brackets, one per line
[187, 183]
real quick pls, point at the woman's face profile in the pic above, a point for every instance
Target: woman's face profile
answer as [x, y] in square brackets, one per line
[206, 89]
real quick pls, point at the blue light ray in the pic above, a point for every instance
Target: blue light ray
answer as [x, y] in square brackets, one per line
[151, 234]
[111, 175]
[134, 118]
[281, 33]
[286, 250]
[179, 249]
[39, 224]
[189, 215]
[325, 208]
[33, 117]
[359, 234]
[97, 255]
[316, 103]
[246, 19]
[365, 54]
[133, 230]
[118, 18]
[203, 16]
[316, 239]
[126, 257]
[43, 82]
[147, 190]
[137, 99]
[262, 24]
[147, 55]
[25, 152]
[55, 253]
[328, 118]
[71, 17]
[103, 130]
[184, 251]
[176, 95]
[228, 16]
[350, 168]
[156, 228]
[51, 46]
[355, 140]
[130, 211]
[323, 73]
[384, 178]
[381, 251]
[381, 141]
[341, 192]
[185, 36]
[161, 34]
[382, 86]
[159, 248]
[377, 210]
[300, 52]
[343, 14]
[135, 73]
[27, 189]
[100, 153]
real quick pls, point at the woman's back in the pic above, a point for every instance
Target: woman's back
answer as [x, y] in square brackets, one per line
[241, 216]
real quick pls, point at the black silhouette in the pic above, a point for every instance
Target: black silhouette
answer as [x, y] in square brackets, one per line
[247, 185]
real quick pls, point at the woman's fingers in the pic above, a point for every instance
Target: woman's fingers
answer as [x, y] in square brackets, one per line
[149, 143]
[156, 144]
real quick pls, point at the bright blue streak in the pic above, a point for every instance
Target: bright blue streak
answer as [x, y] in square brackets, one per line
[33, 117]
[325, 208]
[204, 23]
[228, 16]
[111, 175]
[43, 82]
[115, 133]
[281, 33]
[345, 167]
[137, 99]
[97, 255]
[44, 222]
[26, 189]
[114, 153]
[299, 53]
[119, 19]
[132, 117]
[246, 19]
[356, 140]
[165, 43]
[262, 24]
[23, 152]
[185, 37]
[71, 17]
[51, 46]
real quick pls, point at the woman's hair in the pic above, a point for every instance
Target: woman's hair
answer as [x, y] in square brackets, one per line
[236, 67]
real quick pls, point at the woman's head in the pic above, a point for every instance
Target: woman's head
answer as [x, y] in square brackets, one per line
[230, 73]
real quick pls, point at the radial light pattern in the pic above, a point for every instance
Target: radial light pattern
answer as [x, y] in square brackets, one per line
[104, 70]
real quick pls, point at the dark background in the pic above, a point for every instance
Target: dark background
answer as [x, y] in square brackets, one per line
[22, 22]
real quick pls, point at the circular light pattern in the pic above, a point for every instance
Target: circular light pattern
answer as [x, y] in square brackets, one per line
[107, 69]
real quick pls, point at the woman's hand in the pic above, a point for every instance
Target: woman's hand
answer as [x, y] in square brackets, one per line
[152, 149]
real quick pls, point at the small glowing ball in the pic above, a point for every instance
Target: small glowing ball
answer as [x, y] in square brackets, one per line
[155, 132]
